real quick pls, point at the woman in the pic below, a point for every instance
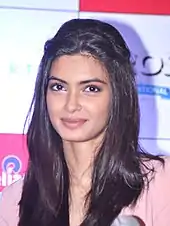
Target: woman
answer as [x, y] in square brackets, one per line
[86, 167]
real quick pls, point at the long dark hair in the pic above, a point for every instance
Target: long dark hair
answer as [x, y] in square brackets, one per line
[119, 172]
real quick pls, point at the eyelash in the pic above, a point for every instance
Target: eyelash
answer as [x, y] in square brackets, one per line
[52, 87]
[95, 88]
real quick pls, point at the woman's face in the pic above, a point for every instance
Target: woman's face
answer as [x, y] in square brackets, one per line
[78, 98]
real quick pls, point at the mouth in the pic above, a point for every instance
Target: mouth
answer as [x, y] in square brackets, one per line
[73, 123]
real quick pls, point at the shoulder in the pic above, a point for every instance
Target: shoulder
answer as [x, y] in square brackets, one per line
[161, 175]
[159, 193]
[14, 189]
[155, 200]
[159, 187]
[10, 198]
[12, 193]
[153, 206]
[158, 178]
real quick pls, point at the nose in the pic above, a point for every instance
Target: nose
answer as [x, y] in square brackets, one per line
[73, 102]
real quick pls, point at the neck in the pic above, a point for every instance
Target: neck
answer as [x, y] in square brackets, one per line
[79, 161]
[79, 158]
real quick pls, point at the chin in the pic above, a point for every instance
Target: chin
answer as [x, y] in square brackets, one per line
[72, 135]
[73, 139]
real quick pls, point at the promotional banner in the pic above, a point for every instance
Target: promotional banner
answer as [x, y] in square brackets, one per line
[13, 158]
[24, 28]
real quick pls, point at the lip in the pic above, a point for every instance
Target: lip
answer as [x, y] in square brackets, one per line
[71, 123]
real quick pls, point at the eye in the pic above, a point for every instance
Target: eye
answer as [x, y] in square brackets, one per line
[57, 87]
[93, 89]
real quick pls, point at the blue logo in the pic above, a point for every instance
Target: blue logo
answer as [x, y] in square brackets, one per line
[163, 92]
[13, 162]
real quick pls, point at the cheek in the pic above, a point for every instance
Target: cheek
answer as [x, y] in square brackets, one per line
[100, 110]
[103, 111]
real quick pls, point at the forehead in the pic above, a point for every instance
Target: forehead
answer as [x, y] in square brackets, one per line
[78, 67]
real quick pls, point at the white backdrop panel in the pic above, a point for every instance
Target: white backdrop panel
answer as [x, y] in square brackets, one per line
[148, 39]
[21, 43]
[156, 146]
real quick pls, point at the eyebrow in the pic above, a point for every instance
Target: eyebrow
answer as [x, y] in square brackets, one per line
[81, 82]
